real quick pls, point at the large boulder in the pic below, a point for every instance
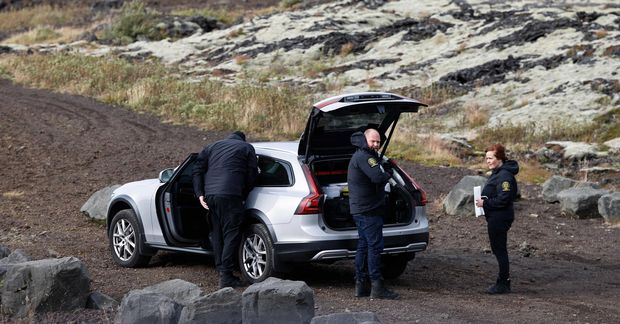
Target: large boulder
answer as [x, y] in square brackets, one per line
[181, 291]
[554, 185]
[347, 318]
[44, 286]
[17, 256]
[222, 307]
[160, 303]
[609, 207]
[581, 202]
[144, 307]
[278, 301]
[96, 206]
[557, 184]
[460, 200]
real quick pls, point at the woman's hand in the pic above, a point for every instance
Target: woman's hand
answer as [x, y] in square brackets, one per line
[479, 202]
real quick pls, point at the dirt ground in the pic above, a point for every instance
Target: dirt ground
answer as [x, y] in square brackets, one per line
[56, 150]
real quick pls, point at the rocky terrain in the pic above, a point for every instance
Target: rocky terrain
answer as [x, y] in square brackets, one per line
[525, 61]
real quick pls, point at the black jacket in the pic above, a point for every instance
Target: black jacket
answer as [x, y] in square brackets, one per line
[366, 178]
[501, 190]
[226, 167]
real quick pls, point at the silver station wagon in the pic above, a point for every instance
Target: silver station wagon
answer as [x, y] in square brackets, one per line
[299, 210]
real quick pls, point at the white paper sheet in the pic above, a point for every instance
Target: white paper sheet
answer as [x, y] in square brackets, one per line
[477, 195]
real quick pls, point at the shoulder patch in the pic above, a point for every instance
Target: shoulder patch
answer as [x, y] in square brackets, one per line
[505, 186]
[372, 162]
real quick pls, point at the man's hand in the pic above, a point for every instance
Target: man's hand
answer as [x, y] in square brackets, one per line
[203, 202]
[388, 168]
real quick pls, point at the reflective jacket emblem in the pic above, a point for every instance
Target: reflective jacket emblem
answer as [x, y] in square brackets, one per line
[505, 186]
[372, 162]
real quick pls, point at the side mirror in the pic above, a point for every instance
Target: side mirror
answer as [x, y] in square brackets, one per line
[165, 175]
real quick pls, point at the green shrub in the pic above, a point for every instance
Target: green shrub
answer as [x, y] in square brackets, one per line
[134, 20]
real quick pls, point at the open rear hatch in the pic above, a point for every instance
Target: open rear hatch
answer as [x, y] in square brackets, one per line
[326, 147]
[333, 120]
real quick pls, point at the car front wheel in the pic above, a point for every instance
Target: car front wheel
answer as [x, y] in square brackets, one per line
[256, 254]
[125, 240]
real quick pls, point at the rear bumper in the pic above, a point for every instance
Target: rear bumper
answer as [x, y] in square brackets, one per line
[343, 249]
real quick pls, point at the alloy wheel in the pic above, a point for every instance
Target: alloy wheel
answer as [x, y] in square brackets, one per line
[124, 240]
[254, 256]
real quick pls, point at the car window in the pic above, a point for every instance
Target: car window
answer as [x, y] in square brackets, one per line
[273, 173]
[349, 122]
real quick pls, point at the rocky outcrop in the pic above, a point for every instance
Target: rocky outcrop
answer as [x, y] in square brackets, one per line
[222, 307]
[177, 301]
[44, 286]
[96, 206]
[278, 301]
[581, 202]
[141, 306]
[555, 185]
[460, 200]
[609, 207]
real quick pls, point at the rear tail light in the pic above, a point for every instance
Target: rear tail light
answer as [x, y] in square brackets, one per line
[312, 203]
[423, 200]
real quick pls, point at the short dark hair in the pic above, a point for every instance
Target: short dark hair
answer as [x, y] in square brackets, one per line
[500, 151]
[240, 134]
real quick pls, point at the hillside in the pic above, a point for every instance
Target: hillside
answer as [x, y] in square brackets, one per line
[520, 62]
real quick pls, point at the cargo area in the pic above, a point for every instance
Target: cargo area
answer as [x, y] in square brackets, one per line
[331, 176]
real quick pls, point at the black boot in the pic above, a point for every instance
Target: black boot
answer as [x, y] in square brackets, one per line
[362, 288]
[380, 292]
[502, 286]
[227, 279]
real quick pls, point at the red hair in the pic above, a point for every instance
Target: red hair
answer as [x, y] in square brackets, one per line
[499, 151]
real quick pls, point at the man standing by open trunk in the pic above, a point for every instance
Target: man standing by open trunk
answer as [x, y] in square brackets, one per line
[367, 179]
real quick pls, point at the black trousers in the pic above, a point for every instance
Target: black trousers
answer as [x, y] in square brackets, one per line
[498, 237]
[226, 216]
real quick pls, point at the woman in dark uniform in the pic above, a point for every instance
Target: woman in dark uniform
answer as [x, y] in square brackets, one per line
[498, 195]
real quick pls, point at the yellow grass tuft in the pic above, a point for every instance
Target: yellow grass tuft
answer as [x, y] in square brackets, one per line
[14, 194]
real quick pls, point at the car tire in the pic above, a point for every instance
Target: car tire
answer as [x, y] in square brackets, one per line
[125, 240]
[256, 254]
[394, 265]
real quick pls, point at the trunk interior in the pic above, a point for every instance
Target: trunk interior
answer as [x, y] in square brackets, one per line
[331, 176]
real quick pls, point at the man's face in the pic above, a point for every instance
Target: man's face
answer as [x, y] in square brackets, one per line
[373, 140]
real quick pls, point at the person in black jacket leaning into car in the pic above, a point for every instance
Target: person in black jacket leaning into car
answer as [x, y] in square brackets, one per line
[366, 180]
[223, 176]
[498, 195]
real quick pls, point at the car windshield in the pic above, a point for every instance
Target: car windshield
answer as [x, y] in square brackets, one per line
[349, 122]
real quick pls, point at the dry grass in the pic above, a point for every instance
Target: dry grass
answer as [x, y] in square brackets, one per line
[474, 116]
[427, 149]
[14, 194]
[531, 171]
[266, 111]
[601, 33]
[346, 49]
[46, 35]
[44, 15]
